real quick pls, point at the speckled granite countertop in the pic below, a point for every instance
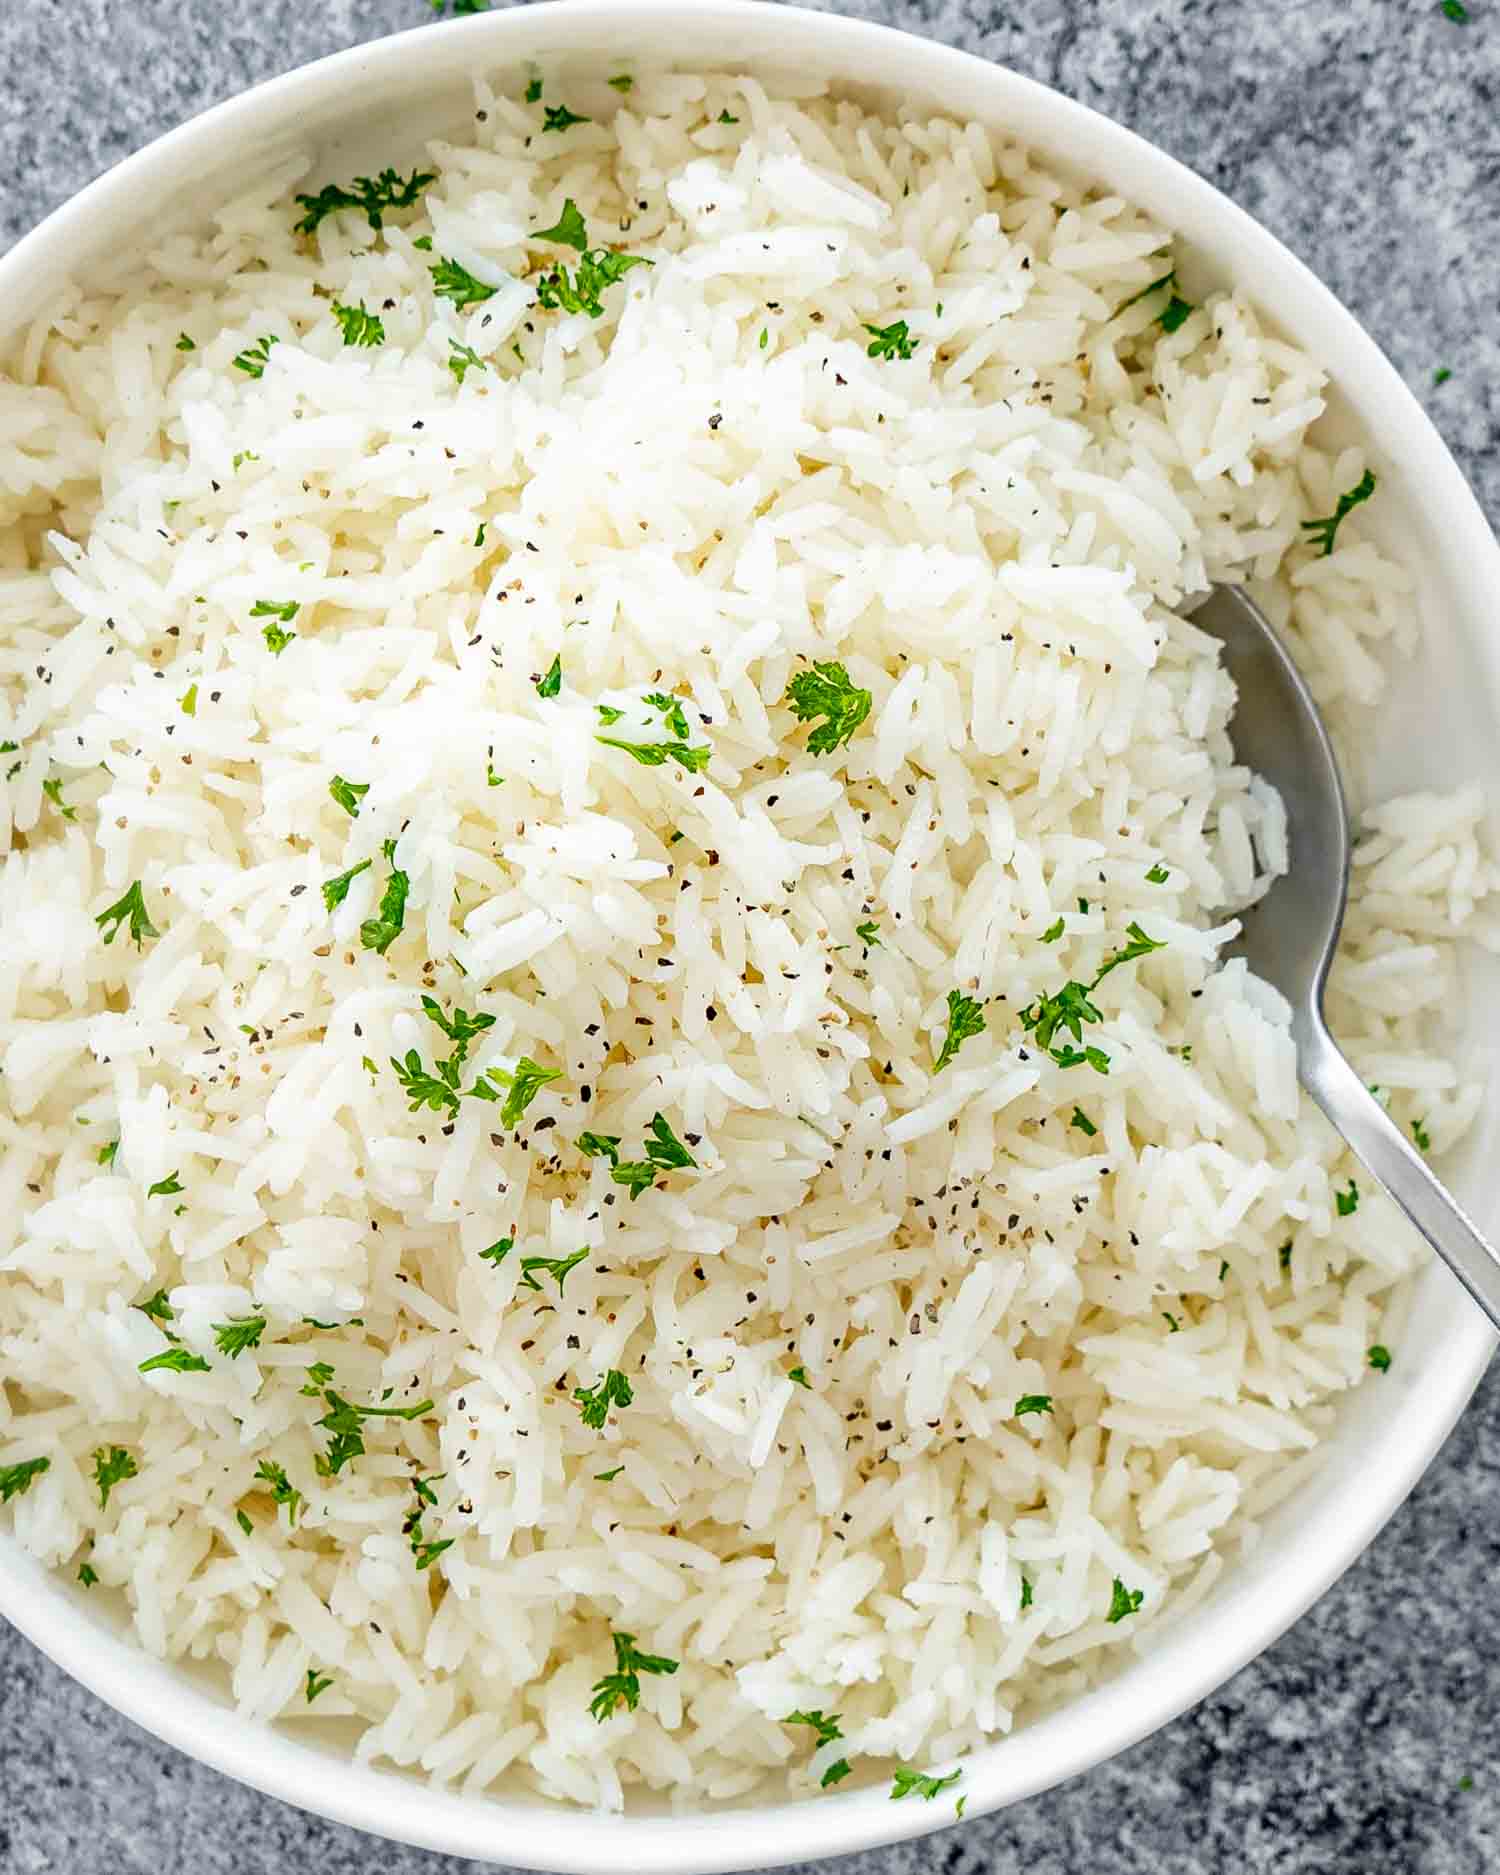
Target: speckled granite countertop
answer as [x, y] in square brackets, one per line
[1366, 133]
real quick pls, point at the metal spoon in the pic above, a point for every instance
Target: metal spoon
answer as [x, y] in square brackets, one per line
[1291, 935]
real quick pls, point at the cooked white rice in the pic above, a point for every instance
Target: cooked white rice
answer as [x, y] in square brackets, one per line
[820, 1495]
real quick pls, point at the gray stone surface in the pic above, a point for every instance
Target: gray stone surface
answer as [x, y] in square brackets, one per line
[1366, 133]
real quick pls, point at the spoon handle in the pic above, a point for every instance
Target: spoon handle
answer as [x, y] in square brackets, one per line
[1380, 1143]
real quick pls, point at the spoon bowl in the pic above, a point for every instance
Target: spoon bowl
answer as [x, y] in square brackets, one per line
[1291, 935]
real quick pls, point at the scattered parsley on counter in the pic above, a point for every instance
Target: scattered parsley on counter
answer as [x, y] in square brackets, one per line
[906, 1782]
[826, 691]
[623, 1686]
[1456, 11]
[892, 341]
[336, 890]
[15, 1480]
[349, 794]
[373, 196]
[233, 1338]
[594, 1402]
[1379, 1358]
[965, 1019]
[112, 1466]
[380, 932]
[1441, 375]
[1323, 533]
[358, 325]
[130, 908]
[1123, 1601]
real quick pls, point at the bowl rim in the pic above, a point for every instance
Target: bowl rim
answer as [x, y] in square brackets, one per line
[1179, 1670]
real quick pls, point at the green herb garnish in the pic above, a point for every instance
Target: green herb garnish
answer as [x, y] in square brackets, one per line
[373, 196]
[965, 1019]
[826, 691]
[349, 794]
[131, 908]
[1053, 932]
[1379, 1358]
[653, 754]
[167, 1187]
[344, 1422]
[623, 1686]
[1322, 533]
[594, 1402]
[559, 117]
[380, 932]
[906, 1782]
[451, 280]
[555, 1267]
[184, 343]
[188, 701]
[53, 791]
[1158, 875]
[175, 1361]
[316, 1683]
[1346, 1203]
[798, 1377]
[568, 230]
[88, 1575]
[550, 684]
[358, 325]
[282, 1490]
[892, 341]
[112, 1466]
[233, 1338]
[525, 1081]
[106, 1154]
[868, 933]
[1123, 1601]
[462, 359]
[254, 359]
[1421, 1135]
[16, 1480]
[1033, 1403]
[1084, 1124]
[336, 890]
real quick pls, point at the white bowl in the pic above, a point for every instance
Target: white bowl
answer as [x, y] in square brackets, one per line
[373, 105]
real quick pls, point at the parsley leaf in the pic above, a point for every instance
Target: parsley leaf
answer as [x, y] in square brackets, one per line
[559, 117]
[665, 1149]
[233, 1338]
[826, 691]
[1033, 1403]
[316, 1683]
[653, 754]
[336, 890]
[1379, 1358]
[359, 326]
[167, 1187]
[1346, 1203]
[344, 1423]
[282, 1490]
[1123, 1601]
[623, 1686]
[550, 684]
[825, 1724]
[1084, 1124]
[188, 701]
[672, 710]
[600, 1146]
[623, 83]
[725, 118]
[798, 1377]
[17, 1479]
[1025, 1592]
[594, 1402]
[1139, 946]
[437, 1091]
[254, 359]
[1456, 11]
[53, 791]
[106, 1154]
[349, 794]
[462, 359]
[1421, 1135]
[156, 1308]
[608, 1477]
[636, 1175]
[909, 1783]
[380, 932]
[284, 609]
[277, 639]
[525, 1081]
[868, 933]
[451, 280]
[375, 196]
[533, 91]
[1158, 875]
[1053, 932]
[892, 341]
[112, 1466]
[556, 1267]
[88, 1575]
[175, 1361]
[568, 230]
[598, 268]
[965, 1019]
[132, 908]
[184, 343]
[498, 1251]
[1322, 533]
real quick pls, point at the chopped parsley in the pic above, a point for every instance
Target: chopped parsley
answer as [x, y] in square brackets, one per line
[600, 1146]
[1421, 1135]
[568, 230]
[112, 1466]
[175, 1361]
[16, 1480]
[1053, 932]
[344, 1423]
[555, 1267]
[672, 710]
[1346, 1203]
[157, 1308]
[725, 118]
[1456, 11]
[1174, 313]
[868, 933]
[282, 1490]
[167, 1187]
[597, 268]
[1173, 1325]
[336, 890]
[608, 1477]
[663, 1152]
[623, 83]
[1139, 946]
[623, 1686]
[1033, 1403]
[349, 794]
[131, 909]
[550, 684]
[906, 1782]
[825, 1724]
[1379, 1358]
[1158, 875]
[559, 117]
[233, 1338]
[1284, 1257]
[594, 1403]
[1084, 1124]
[1441, 375]
[53, 791]
[254, 358]
[798, 1377]
[1071, 1006]
[525, 1081]
[106, 1154]
[498, 1251]
[373, 196]
[533, 91]
[380, 932]
[426, 1553]
[462, 359]
[188, 701]
[88, 1575]
[965, 1019]
[892, 341]
[826, 691]
[316, 1683]
[184, 343]
[1123, 1601]
[654, 754]
[277, 639]
[451, 280]
[358, 325]
[318, 1377]
[608, 714]
[1026, 1595]
[1323, 533]
[284, 609]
